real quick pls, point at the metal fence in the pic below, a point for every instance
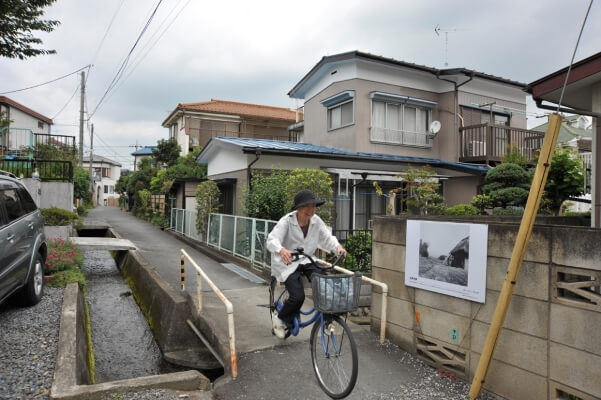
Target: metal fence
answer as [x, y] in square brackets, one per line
[48, 170]
[241, 236]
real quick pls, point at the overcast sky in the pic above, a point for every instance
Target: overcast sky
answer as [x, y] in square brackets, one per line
[256, 51]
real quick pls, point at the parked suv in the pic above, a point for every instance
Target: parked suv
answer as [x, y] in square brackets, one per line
[22, 243]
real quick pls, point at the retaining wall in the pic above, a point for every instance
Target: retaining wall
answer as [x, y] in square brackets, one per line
[549, 346]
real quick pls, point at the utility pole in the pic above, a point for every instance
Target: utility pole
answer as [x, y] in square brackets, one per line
[82, 94]
[91, 161]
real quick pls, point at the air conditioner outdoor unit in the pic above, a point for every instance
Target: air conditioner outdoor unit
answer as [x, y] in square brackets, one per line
[476, 148]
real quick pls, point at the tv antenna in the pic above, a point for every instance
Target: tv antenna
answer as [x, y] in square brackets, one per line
[437, 30]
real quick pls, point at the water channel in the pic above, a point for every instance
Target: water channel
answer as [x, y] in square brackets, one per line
[124, 346]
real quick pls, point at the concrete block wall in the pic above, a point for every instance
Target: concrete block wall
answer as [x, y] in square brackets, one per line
[549, 346]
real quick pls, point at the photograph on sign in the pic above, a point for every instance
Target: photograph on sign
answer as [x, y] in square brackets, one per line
[447, 257]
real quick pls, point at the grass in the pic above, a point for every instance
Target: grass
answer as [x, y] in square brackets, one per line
[61, 279]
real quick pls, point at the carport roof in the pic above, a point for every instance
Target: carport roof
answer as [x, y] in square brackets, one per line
[276, 147]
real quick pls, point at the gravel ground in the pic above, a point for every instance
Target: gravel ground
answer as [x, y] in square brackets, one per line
[28, 344]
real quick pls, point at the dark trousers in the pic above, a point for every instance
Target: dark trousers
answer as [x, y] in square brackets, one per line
[296, 292]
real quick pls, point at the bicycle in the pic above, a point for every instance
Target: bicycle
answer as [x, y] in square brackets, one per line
[333, 348]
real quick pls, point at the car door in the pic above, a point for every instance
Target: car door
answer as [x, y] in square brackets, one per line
[15, 240]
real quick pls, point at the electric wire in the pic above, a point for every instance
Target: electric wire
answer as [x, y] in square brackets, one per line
[141, 56]
[68, 101]
[565, 83]
[121, 69]
[46, 83]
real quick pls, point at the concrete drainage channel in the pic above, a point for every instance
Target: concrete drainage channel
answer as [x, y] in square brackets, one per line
[165, 311]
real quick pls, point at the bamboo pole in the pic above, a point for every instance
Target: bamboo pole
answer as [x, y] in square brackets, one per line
[517, 256]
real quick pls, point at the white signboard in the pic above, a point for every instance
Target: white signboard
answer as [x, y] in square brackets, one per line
[447, 257]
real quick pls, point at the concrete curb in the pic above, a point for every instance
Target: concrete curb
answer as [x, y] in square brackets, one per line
[72, 377]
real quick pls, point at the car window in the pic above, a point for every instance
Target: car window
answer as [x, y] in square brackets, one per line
[26, 201]
[12, 204]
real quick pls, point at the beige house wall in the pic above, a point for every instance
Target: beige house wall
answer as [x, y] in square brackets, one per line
[241, 184]
[549, 346]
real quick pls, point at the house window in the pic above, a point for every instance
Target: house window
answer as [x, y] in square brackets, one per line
[340, 109]
[40, 125]
[106, 172]
[499, 119]
[106, 189]
[400, 120]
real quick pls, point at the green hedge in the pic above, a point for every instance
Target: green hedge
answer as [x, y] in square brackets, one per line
[55, 216]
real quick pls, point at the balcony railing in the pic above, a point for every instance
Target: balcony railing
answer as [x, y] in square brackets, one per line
[61, 141]
[489, 143]
[48, 170]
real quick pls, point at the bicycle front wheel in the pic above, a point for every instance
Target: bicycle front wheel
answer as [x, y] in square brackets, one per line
[334, 357]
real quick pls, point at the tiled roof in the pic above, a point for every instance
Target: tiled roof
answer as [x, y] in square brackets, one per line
[98, 159]
[245, 109]
[144, 151]
[308, 148]
[566, 132]
[26, 110]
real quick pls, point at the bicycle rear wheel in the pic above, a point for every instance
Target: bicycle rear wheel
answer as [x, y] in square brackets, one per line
[334, 357]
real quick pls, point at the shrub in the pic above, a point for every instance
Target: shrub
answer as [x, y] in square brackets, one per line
[462, 209]
[267, 197]
[63, 278]
[55, 216]
[207, 202]
[481, 202]
[508, 211]
[358, 247]
[159, 220]
[62, 255]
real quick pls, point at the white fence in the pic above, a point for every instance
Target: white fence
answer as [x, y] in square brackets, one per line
[242, 236]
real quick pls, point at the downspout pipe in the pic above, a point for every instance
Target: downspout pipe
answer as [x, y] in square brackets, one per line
[248, 173]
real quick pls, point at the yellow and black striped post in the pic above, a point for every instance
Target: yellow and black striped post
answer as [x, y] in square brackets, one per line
[183, 273]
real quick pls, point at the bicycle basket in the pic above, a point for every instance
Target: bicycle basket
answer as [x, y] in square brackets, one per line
[334, 294]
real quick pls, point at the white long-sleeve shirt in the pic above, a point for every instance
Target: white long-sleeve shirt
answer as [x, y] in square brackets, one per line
[288, 234]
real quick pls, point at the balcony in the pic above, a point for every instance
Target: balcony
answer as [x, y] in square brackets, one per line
[488, 143]
[22, 152]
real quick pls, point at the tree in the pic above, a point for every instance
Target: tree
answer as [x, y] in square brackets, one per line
[315, 180]
[507, 184]
[18, 18]
[81, 184]
[267, 196]
[186, 167]
[565, 180]
[166, 152]
[423, 190]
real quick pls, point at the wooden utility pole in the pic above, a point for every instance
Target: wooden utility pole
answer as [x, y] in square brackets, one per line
[81, 102]
[92, 159]
[517, 256]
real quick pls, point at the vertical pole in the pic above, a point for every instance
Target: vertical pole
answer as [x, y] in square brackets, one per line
[199, 291]
[253, 232]
[235, 232]
[517, 256]
[182, 273]
[81, 101]
[92, 161]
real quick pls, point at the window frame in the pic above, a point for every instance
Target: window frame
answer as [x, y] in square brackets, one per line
[401, 109]
[337, 101]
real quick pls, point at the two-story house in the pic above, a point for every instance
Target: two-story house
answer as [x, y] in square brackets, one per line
[368, 118]
[25, 127]
[194, 124]
[105, 174]
[142, 153]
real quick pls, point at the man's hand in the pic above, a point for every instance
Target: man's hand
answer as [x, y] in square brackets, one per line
[286, 256]
[340, 250]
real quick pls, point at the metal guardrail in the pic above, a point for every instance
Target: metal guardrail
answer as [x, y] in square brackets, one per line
[228, 307]
[48, 170]
[372, 282]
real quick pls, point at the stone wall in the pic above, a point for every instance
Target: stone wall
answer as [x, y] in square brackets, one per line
[549, 346]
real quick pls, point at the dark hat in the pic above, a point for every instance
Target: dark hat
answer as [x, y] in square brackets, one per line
[304, 198]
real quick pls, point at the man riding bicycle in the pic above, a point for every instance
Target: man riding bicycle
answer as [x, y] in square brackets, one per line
[299, 228]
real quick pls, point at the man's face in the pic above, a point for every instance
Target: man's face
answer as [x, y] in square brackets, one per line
[307, 211]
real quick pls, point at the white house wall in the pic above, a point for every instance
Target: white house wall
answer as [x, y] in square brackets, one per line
[25, 121]
[225, 160]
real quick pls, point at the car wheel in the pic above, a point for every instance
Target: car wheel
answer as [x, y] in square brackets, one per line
[32, 293]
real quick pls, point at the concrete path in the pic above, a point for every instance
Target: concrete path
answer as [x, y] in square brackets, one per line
[270, 368]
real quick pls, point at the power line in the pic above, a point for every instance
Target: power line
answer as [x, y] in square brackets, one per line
[67, 103]
[121, 69]
[139, 58]
[46, 83]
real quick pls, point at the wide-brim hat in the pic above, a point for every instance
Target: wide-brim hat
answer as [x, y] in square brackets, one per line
[304, 198]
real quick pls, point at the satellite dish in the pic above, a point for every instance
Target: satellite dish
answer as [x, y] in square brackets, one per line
[434, 128]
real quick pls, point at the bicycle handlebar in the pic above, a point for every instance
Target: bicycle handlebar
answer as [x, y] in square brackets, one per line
[299, 251]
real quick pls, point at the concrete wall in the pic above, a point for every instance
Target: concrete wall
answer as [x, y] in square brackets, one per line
[50, 194]
[549, 344]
